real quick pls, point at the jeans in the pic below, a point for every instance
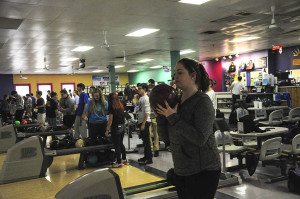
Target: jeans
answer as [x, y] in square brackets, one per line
[117, 139]
[145, 135]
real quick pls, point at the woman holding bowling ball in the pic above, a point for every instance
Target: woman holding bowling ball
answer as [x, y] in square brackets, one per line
[189, 128]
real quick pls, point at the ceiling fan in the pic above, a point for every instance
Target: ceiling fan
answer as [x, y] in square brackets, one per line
[124, 56]
[21, 76]
[106, 45]
[274, 26]
[45, 65]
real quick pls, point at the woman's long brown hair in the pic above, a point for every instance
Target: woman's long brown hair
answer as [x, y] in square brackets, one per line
[93, 102]
[114, 102]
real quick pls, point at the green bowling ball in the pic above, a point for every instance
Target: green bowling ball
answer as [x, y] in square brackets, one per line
[17, 122]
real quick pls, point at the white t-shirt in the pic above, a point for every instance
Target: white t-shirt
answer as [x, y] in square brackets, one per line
[212, 95]
[237, 87]
[143, 108]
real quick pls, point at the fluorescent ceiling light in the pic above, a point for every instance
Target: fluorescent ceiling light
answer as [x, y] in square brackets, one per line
[119, 66]
[187, 51]
[83, 48]
[144, 60]
[132, 71]
[196, 2]
[242, 50]
[69, 59]
[39, 71]
[156, 67]
[244, 39]
[97, 71]
[142, 32]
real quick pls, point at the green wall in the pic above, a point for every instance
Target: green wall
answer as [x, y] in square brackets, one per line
[142, 77]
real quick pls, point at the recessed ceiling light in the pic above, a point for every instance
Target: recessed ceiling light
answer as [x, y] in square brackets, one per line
[39, 71]
[70, 59]
[242, 50]
[144, 60]
[196, 2]
[187, 51]
[119, 66]
[142, 32]
[97, 71]
[132, 71]
[244, 39]
[156, 67]
[83, 48]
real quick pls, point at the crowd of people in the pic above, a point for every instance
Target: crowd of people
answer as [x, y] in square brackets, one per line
[187, 128]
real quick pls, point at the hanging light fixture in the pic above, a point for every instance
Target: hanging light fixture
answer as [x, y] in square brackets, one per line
[217, 59]
[237, 55]
[230, 57]
[224, 58]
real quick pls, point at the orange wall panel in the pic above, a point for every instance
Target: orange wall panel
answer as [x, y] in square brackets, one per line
[56, 80]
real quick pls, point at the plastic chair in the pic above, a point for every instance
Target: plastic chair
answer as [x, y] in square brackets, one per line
[260, 115]
[269, 153]
[294, 116]
[293, 149]
[275, 119]
[225, 143]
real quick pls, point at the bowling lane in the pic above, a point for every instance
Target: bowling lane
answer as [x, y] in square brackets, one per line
[62, 171]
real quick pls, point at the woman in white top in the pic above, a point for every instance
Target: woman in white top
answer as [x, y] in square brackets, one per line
[212, 95]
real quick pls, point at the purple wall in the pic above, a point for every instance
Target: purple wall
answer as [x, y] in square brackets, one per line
[6, 82]
[284, 61]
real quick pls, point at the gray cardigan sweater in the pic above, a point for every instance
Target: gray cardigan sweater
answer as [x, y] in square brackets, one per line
[191, 136]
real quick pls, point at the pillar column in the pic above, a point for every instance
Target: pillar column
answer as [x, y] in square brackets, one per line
[175, 57]
[112, 78]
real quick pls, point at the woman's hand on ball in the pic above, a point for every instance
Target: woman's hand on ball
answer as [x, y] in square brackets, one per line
[166, 111]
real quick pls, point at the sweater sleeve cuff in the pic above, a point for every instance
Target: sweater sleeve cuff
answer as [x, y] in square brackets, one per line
[173, 118]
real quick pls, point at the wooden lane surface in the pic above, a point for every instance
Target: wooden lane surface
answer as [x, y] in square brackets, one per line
[62, 171]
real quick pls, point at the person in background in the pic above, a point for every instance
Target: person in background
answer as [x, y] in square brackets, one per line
[40, 105]
[236, 88]
[4, 108]
[33, 98]
[67, 108]
[70, 93]
[28, 105]
[52, 110]
[19, 105]
[211, 94]
[116, 124]
[96, 111]
[189, 127]
[153, 126]
[144, 123]
[127, 93]
[90, 94]
[48, 95]
[80, 121]
[76, 99]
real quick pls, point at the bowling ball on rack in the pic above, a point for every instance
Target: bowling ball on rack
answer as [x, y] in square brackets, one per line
[24, 122]
[92, 158]
[67, 141]
[266, 102]
[163, 92]
[90, 141]
[79, 143]
[55, 144]
[17, 122]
